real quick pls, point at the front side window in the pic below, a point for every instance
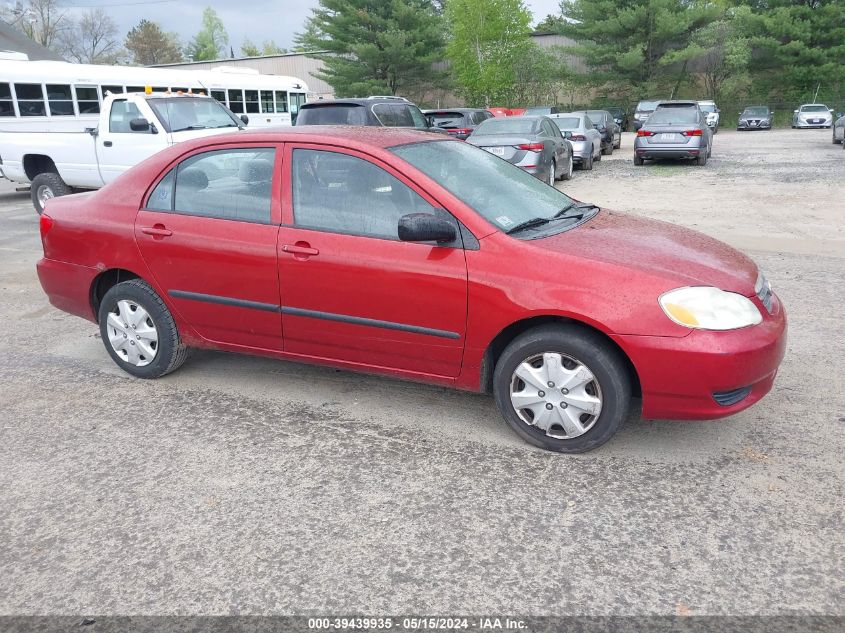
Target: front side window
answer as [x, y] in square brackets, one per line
[60, 99]
[345, 194]
[30, 99]
[503, 194]
[87, 99]
[7, 106]
[230, 184]
[121, 115]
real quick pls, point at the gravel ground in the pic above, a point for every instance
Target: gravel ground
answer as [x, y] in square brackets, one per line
[246, 485]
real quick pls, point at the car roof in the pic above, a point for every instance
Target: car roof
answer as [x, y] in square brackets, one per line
[814, 104]
[361, 101]
[461, 110]
[678, 102]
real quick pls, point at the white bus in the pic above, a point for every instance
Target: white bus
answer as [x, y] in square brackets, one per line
[49, 96]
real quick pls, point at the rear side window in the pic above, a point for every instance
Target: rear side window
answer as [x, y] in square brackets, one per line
[231, 184]
[334, 114]
[161, 199]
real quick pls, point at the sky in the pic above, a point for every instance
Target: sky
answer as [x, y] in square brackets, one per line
[257, 20]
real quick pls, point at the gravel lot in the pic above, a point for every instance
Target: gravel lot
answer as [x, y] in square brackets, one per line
[247, 485]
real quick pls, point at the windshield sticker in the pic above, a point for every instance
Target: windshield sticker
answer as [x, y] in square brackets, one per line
[504, 221]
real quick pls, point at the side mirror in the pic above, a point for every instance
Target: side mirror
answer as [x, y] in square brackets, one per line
[838, 114]
[245, 119]
[424, 227]
[139, 125]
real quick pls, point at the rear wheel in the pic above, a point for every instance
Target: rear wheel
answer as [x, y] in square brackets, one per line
[552, 177]
[701, 161]
[607, 151]
[139, 332]
[45, 186]
[638, 161]
[562, 388]
[587, 163]
[567, 175]
[618, 144]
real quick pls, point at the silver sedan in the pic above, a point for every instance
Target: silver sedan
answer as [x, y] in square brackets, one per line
[839, 131]
[585, 139]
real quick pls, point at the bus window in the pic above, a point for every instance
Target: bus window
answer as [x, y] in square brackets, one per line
[134, 88]
[60, 99]
[7, 107]
[251, 101]
[220, 95]
[267, 102]
[86, 99]
[112, 89]
[159, 88]
[281, 101]
[236, 101]
[30, 99]
[296, 99]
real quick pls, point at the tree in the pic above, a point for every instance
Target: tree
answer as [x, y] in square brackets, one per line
[486, 38]
[210, 43]
[149, 44]
[91, 39]
[374, 46]
[269, 47]
[40, 20]
[637, 45]
[541, 76]
[550, 24]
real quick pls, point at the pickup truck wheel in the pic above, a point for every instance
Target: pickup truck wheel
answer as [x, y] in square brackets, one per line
[46, 186]
[562, 388]
[139, 332]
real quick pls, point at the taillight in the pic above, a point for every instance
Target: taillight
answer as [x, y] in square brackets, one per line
[45, 224]
[531, 147]
[460, 130]
[577, 137]
[691, 132]
[645, 133]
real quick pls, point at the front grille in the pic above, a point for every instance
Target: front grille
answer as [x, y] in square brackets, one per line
[765, 296]
[727, 398]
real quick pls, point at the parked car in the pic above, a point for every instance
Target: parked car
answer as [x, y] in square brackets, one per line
[532, 143]
[643, 111]
[711, 114]
[620, 116]
[812, 115]
[839, 130]
[582, 135]
[755, 118]
[131, 127]
[370, 111]
[457, 122]
[676, 129]
[541, 110]
[611, 133]
[416, 256]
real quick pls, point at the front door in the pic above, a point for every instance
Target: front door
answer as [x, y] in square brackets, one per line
[350, 289]
[208, 233]
[119, 147]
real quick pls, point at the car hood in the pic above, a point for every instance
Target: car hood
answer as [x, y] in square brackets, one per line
[680, 255]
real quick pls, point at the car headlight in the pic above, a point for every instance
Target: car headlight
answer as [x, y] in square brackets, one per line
[708, 308]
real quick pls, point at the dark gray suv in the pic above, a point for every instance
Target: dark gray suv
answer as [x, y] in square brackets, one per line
[376, 111]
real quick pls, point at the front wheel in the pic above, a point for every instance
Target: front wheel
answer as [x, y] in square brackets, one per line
[139, 332]
[45, 186]
[562, 388]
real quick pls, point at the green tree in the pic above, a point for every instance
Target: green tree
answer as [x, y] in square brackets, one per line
[374, 46]
[210, 43]
[149, 44]
[639, 45]
[486, 39]
[269, 47]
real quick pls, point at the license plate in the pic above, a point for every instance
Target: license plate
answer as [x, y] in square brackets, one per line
[498, 151]
[667, 136]
[815, 120]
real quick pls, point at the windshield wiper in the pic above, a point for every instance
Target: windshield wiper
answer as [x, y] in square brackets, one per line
[192, 127]
[581, 206]
[528, 224]
[215, 127]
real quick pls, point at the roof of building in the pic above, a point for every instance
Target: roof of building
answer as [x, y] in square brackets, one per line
[13, 41]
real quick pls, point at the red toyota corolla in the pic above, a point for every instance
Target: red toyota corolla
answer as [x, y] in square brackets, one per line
[421, 257]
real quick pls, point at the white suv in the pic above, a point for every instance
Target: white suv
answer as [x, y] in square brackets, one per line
[711, 113]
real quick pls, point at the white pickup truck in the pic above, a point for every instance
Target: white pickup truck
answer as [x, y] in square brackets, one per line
[132, 127]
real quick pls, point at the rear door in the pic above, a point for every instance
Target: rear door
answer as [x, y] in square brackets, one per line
[351, 290]
[208, 234]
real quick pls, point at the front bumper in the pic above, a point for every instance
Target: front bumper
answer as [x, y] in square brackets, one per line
[754, 125]
[806, 124]
[681, 377]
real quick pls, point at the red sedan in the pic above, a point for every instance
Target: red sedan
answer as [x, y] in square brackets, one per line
[417, 256]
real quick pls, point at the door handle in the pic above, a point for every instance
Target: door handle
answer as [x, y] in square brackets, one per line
[107, 143]
[300, 248]
[156, 231]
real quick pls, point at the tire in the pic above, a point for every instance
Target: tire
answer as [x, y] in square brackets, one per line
[701, 161]
[552, 176]
[638, 161]
[715, 130]
[607, 382]
[169, 353]
[619, 144]
[587, 163]
[45, 186]
[609, 150]
[567, 175]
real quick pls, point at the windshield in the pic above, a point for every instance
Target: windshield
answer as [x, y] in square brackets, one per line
[707, 107]
[538, 110]
[334, 114]
[646, 106]
[673, 116]
[814, 108]
[568, 123]
[503, 194]
[199, 113]
[446, 119]
[756, 111]
[510, 126]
